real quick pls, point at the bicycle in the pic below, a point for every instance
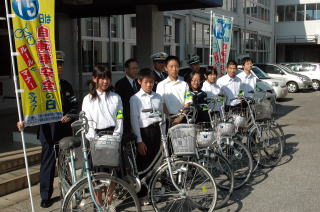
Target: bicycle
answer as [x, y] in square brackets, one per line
[264, 143]
[23, 33]
[176, 183]
[218, 166]
[93, 191]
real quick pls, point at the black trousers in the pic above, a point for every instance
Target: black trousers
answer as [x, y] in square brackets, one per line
[151, 136]
[49, 135]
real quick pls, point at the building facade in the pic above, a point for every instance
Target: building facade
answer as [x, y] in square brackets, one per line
[112, 40]
[297, 30]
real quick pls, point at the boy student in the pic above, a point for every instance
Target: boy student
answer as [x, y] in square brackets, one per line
[248, 80]
[174, 91]
[230, 85]
[146, 129]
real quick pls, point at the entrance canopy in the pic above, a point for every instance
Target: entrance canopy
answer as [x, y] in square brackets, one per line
[93, 8]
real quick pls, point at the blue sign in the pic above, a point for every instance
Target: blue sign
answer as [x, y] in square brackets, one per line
[220, 28]
[26, 9]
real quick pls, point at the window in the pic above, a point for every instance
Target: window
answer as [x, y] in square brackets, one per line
[177, 30]
[300, 12]
[311, 11]
[133, 22]
[280, 13]
[257, 9]
[318, 12]
[230, 5]
[290, 13]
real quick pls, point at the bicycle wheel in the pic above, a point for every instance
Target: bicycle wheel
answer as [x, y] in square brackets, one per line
[240, 159]
[64, 174]
[222, 173]
[198, 189]
[111, 193]
[251, 141]
[270, 146]
[279, 130]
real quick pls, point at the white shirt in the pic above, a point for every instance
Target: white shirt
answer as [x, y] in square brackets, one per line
[230, 87]
[212, 90]
[103, 112]
[139, 119]
[175, 94]
[248, 82]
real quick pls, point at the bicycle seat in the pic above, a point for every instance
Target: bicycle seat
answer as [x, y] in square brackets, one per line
[70, 142]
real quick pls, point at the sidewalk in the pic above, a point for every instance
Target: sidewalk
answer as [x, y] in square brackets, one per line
[20, 201]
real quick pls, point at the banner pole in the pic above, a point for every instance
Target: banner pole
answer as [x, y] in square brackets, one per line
[210, 40]
[18, 100]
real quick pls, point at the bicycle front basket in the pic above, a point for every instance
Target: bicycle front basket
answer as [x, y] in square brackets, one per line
[264, 110]
[205, 134]
[106, 151]
[183, 139]
[226, 129]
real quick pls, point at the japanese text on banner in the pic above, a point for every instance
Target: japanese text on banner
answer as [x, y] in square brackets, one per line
[33, 27]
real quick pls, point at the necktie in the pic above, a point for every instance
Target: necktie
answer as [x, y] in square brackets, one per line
[134, 86]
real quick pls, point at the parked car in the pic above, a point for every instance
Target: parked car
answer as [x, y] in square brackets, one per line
[294, 81]
[278, 87]
[311, 70]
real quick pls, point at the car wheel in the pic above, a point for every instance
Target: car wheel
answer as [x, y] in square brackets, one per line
[292, 87]
[316, 84]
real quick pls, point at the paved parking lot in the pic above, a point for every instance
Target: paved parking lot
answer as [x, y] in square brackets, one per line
[293, 186]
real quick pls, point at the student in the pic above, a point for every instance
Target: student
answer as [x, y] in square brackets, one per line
[103, 108]
[249, 81]
[127, 87]
[210, 85]
[174, 91]
[230, 86]
[146, 129]
[50, 134]
[198, 96]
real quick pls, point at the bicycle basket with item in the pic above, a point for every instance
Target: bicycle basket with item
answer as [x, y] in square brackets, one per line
[264, 110]
[183, 139]
[205, 134]
[105, 151]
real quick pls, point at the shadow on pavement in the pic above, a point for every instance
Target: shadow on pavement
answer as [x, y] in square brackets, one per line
[284, 100]
[283, 110]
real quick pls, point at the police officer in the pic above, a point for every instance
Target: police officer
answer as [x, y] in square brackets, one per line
[194, 65]
[158, 69]
[49, 135]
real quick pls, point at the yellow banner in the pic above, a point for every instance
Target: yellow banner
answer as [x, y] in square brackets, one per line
[33, 29]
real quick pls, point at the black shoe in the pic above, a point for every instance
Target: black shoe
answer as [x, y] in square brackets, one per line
[45, 203]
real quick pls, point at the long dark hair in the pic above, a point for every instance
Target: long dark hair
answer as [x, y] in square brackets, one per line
[99, 72]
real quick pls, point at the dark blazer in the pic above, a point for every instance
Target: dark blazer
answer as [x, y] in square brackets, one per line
[124, 89]
[158, 79]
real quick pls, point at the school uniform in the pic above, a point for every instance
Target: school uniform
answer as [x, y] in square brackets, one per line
[230, 87]
[145, 128]
[198, 97]
[175, 94]
[212, 90]
[249, 82]
[105, 116]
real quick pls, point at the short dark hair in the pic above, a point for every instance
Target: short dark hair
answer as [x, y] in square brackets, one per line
[211, 70]
[232, 62]
[171, 57]
[129, 61]
[246, 59]
[145, 73]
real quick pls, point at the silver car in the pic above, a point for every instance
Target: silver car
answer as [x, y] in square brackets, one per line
[311, 70]
[294, 81]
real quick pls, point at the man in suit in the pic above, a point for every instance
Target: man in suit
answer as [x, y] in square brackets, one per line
[158, 69]
[127, 87]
